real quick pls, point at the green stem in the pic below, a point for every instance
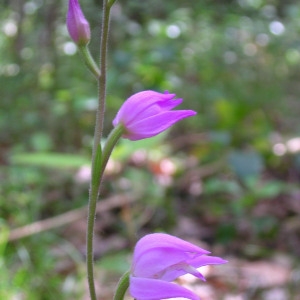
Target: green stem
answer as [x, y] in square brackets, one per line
[103, 67]
[89, 61]
[111, 141]
[111, 2]
[97, 172]
[90, 239]
[98, 168]
[122, 287]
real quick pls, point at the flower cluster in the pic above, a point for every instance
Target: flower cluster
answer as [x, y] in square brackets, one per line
[159, 259]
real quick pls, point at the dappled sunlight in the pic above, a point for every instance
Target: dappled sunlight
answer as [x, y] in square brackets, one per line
[291, 146]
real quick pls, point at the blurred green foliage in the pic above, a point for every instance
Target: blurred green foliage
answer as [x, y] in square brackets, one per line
[236, 62]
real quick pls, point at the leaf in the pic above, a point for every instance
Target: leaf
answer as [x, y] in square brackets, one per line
[50, 160]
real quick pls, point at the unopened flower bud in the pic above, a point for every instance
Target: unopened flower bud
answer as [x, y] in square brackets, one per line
[78, 26]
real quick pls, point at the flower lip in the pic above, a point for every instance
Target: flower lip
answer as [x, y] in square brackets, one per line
[150, 289]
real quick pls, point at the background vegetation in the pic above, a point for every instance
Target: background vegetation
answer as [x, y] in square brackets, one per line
[228, 177]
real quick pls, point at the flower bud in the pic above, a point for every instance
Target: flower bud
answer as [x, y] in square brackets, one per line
[78, 26]
[148, 113]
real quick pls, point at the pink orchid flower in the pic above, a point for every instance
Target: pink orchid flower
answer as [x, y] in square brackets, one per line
[159, 259]
[148, 113]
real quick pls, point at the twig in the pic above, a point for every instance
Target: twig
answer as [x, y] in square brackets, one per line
[66, 218]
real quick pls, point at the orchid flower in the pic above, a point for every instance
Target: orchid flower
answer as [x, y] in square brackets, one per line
[148, 113]
[159, 259]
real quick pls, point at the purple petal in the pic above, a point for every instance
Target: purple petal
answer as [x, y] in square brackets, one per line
[153, 289]
[162, 240]
[138, 103]
[155, 109]
[204, 260]
[179, 270]
[158, 262]
[195, 263]
[154, 125]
